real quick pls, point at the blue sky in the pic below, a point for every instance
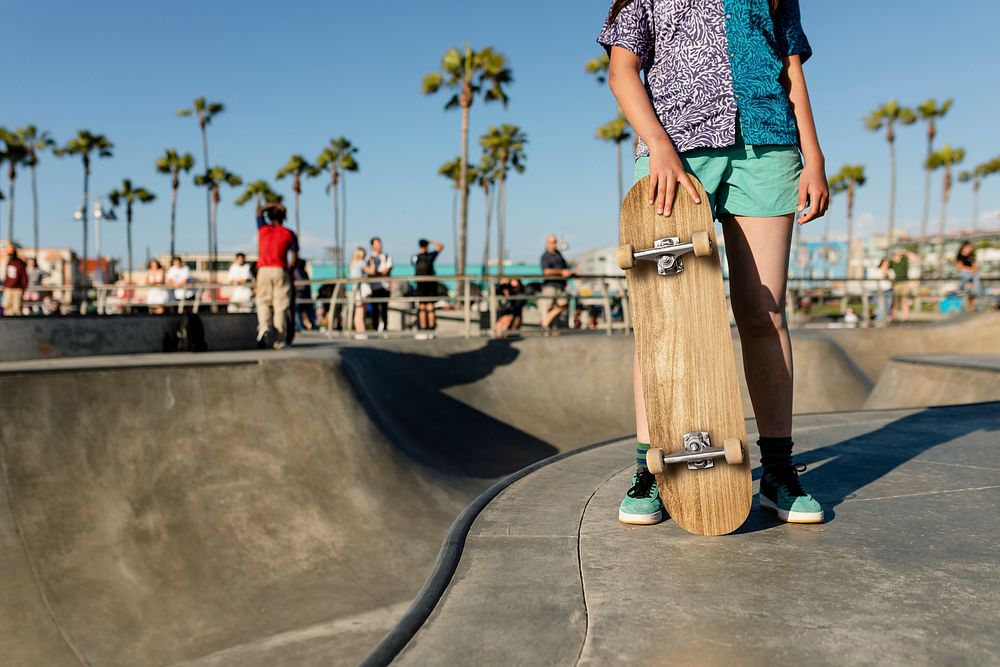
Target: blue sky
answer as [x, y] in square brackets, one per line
[293, 75]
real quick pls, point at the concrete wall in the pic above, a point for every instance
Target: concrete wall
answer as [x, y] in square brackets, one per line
[23, 338]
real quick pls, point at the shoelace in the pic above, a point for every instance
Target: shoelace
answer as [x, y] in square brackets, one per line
[644, 481]
[789, 478]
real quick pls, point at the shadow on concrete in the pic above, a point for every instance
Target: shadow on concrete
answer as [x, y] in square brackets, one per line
[859, 461]
[405, 395]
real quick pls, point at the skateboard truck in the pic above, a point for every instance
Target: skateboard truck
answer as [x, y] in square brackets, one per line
[667, 253]
[698, 453]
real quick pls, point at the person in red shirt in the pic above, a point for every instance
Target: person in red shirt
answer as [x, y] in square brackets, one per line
[274, 245]
[15, 281]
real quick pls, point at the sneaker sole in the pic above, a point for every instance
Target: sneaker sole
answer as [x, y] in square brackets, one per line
[789, 516]
[640, 519]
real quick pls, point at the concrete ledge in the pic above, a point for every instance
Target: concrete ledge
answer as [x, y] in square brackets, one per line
[925, 380]
[903, 572]
[23, 338]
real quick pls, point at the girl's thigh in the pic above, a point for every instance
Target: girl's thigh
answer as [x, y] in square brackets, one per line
[757, 251]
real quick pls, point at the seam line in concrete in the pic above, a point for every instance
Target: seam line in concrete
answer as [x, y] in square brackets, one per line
[924, 493]
[448, 557]
[956, 465]
[579, 563]
[9, 495]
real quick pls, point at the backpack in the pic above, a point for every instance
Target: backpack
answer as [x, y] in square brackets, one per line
[188, 335]
[424, 265]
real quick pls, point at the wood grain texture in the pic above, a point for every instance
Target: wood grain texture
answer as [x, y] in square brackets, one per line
[688, 367]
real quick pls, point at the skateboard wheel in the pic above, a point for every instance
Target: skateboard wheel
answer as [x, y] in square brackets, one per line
[702, 244]
[654, 461]
[734, 451]
[625, 257]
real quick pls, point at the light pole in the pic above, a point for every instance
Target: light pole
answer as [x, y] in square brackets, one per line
[100, 214]
[81, 215]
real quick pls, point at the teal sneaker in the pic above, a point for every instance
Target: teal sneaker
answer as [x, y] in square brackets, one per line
[781, 492]
[641, 504]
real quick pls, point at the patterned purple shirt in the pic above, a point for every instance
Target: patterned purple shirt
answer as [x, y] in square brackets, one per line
[709, 61]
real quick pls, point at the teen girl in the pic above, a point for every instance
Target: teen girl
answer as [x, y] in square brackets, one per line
[725, 99]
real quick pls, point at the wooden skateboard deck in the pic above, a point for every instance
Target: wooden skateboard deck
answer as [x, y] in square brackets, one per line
[686, 357]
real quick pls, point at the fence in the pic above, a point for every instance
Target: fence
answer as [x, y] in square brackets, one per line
[605, 296]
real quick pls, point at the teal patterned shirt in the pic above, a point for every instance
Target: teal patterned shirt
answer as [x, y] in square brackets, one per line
[712, 66]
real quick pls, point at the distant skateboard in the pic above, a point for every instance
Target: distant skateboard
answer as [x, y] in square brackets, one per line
[696, 423]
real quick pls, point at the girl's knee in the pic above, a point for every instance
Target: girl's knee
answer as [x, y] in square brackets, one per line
[763, 322]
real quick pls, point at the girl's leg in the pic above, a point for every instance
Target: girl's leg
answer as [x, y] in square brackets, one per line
[757, 250]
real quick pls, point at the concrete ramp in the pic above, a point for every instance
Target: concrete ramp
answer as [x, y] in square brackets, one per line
[283, 507]
[936, 379]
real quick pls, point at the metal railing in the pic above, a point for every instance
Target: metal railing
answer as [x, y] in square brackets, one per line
[606, 297]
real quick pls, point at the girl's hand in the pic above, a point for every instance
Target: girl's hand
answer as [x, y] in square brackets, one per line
[665, 172]
[813, 192]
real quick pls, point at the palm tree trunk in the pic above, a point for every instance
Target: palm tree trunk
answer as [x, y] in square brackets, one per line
[944, 215]
[501, 222]
[850, 224]
[298, 227]
[128, 238]
[208, 206]
[621, 183]
[922, 251]
[10, 208]
[975, 206]
[488, 198]
[86, 205]
[454, 225]
[463, 187]
[34, 209]
[892, 194]
[337, 243]
[343, 217]
[173, 222]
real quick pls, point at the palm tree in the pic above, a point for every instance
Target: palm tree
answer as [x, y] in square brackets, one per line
[297, 167]
[887, 116]
[84, 144]
[204, 112]
[212, 180]
[173, 163]
[260, 191]
[944, 158]
[15, 153]
[930, 112]
[976, 176]
[338, 158]
[506, 143]
[599, 68]
[468, 73]
[129, 194]
[616, 131]
[35, 142]
[848, 179]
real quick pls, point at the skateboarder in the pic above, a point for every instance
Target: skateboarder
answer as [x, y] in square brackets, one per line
[725, 99]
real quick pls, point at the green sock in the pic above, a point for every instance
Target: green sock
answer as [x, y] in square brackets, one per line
[640, 454]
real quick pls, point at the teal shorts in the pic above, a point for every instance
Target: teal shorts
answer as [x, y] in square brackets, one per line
[752, 181]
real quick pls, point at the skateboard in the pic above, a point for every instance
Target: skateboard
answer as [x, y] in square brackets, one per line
[696, 423]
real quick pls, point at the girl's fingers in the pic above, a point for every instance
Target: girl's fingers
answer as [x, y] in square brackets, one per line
[652, 188]
[661, 193]
[803, 196]
[671, 191]
[685, 180]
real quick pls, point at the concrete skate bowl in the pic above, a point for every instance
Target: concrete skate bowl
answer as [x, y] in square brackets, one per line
[280, 511]
[284, 509]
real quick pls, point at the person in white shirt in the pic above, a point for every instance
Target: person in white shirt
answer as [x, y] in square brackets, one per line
[380, 264]
[241, 300]
[178, 277]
